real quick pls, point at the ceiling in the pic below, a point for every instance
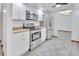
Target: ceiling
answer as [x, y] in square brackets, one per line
[48, 7]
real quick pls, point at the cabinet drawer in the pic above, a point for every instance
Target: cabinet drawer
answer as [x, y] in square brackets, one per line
[19, 35]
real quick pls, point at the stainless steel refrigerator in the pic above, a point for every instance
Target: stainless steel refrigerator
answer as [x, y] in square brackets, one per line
[48, 21]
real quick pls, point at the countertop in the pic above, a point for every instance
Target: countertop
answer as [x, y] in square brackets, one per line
[19, 29]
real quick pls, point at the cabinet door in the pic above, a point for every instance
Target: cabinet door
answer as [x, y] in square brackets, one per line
[20, 43]
[22, 12]
[18, 12]
[43, 34]
[27, 39]
[15, 11]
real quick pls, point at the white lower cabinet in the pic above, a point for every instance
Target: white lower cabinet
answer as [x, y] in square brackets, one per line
[43, 34]
[20, 43]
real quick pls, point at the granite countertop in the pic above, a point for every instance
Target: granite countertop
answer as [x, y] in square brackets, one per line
[19, 29]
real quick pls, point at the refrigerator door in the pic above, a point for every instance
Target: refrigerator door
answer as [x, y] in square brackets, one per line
[48, 23]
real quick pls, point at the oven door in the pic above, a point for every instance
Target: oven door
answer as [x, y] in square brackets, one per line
[36, 36]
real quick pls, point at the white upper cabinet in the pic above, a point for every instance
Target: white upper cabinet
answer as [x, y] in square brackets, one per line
[18, 11]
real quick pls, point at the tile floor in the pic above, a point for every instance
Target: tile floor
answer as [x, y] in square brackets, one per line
[61, 46]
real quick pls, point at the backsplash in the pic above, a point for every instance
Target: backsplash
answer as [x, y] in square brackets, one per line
[17, 23]
[20, 23]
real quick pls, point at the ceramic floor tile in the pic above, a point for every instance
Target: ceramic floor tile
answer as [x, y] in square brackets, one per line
[61, 46]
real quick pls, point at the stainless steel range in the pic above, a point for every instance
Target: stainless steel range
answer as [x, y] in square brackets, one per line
[35, 38]
[35, 35]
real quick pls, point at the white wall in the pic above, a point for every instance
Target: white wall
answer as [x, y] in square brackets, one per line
[68, 23]
[62, 22]
[75, 25]
[7, 29]
[0, 21]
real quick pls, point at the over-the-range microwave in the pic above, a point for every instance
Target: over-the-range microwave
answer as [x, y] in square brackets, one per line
[31, 15]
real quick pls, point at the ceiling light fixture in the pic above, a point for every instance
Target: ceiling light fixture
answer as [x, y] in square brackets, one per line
[20, 4]
[58, 5]
[66, 12]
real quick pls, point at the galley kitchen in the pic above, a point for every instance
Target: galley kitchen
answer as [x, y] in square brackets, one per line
[39, 29]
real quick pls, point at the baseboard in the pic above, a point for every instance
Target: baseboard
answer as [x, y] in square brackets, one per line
[75, 41]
